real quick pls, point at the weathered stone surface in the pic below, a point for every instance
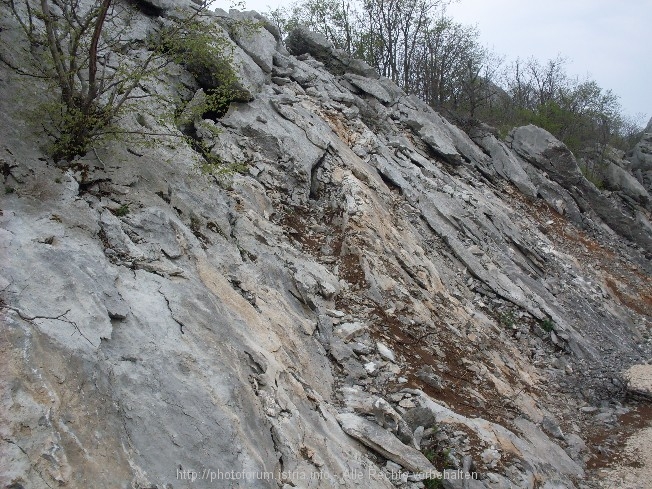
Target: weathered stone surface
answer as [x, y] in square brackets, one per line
[618, 179]
[534, 142]
[385, 352]
[384, 443]
[551, 427]
[547, 153]
[430, 377]
[303, 41]
[420, 416]
[156, 318]
[639, 379]
[507, 164]
[258, 43]
[159, 7]
[641, 159]
[454, 480]
[348, 331]
[576, 447]
[438, 139]
[251, 78]
[382, 89]
[555, 485]
[530, 444]
[612, 173]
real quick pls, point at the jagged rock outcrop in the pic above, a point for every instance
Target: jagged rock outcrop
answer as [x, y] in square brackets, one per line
[641, 158]
[505, 162]
[161, 328]
[539, 148]
[383, 442]
[161, 7]
[615, 174]
[303, 41]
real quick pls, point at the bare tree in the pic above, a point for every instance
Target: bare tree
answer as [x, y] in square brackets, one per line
[427, 53]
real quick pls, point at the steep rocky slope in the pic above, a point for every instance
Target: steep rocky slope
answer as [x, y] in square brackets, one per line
[378, 293]
[641, 158]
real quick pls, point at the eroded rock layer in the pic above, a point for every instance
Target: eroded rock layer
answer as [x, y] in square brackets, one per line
[377, 294]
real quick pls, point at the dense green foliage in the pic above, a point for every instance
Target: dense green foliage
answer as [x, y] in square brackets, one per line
[206, 53]
[427, 53]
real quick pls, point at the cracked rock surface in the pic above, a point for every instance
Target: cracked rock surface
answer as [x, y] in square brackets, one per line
[379, 293]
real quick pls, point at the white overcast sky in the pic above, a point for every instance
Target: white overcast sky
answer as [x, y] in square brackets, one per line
[608, 40]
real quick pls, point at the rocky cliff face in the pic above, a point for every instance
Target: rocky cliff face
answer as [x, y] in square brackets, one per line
[379, 293]
[641, 159]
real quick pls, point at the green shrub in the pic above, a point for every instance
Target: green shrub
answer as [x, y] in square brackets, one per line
[592, 177]
[436, 483]
[202, 48]
[547, 325]
[70, 51]
[123, 210]
[430, 455]
[507, 319]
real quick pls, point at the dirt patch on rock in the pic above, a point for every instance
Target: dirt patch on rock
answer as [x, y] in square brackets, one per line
[630, 467]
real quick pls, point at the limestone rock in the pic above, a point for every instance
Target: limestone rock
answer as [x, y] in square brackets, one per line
[303, 41]
[384, 443]
[158, 319]
[551, 427]
[159, 7]
[639, 379]
[616, 178]
[258, 42]
[437, 139]
[641, 159]
[613, 172]
[385, 352]
[528, 444]
[348, 331]
[548, 154]
[507, 164]
[382, 89]
[430, 377]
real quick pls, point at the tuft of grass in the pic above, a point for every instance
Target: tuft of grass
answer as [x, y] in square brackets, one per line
[123, 210]
[592, 177]
[430, 455]
[433, 483]
[547, 325]
[507, 319]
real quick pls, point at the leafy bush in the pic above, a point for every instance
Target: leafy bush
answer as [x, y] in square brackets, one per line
[433, 483]
[85, 55]
[202, 48]
[592, 177]
[547, 325]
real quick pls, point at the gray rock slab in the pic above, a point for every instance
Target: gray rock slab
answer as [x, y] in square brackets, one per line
[348, 331]
[550, 155]
[507, 164]
[384, 443]
[250, 34]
